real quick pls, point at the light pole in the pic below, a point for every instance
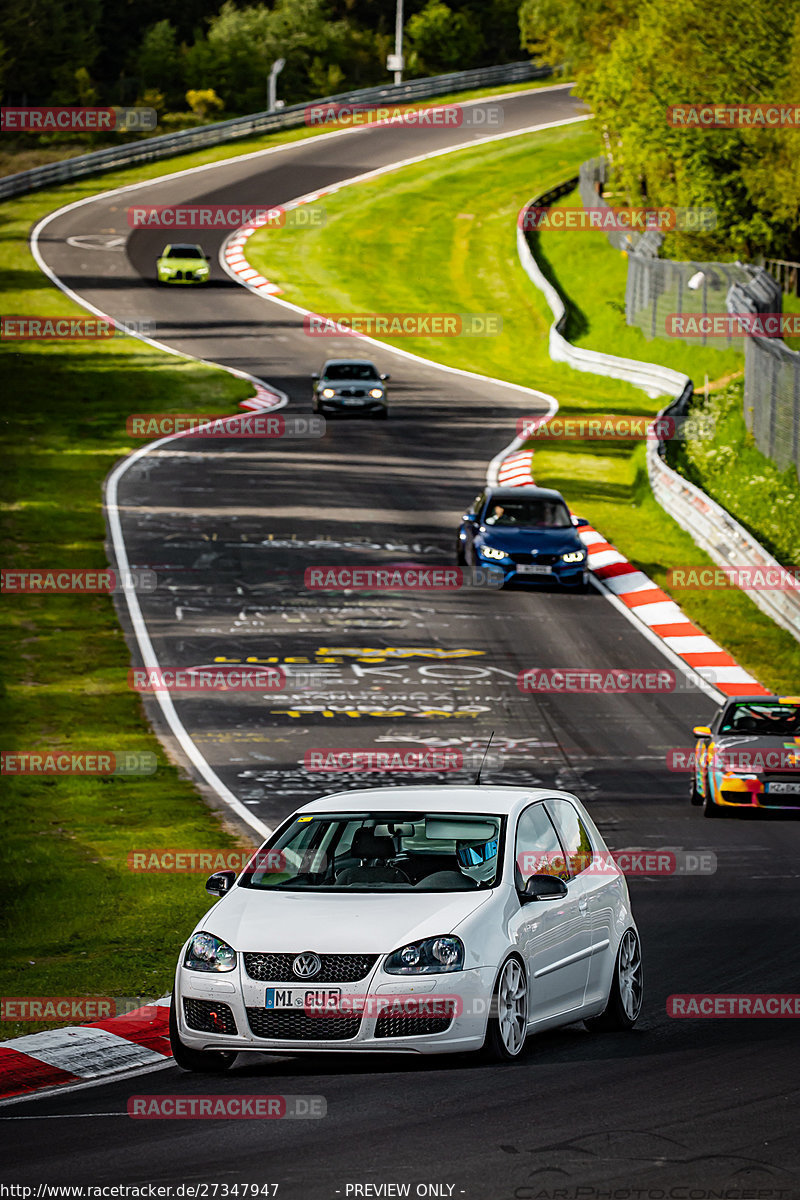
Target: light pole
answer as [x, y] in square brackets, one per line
[272, 85]
[395, 62]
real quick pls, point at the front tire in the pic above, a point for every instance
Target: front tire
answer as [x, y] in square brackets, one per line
[207, 1062]
[627, 988]
[710, 809]
[508, 1019]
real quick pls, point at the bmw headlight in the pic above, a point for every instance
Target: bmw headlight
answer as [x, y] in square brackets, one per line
[328, 392]
[202, 271]
[376, 393]
[208, 953]
[492, 552]
[574, 556]
[432, 956]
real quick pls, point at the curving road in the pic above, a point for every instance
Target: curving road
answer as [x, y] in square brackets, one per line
[230, 527]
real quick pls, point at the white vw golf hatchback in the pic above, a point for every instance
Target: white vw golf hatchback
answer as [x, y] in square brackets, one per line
[421, 920]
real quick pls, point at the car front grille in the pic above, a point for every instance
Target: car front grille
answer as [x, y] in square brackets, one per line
[352, 392]
[207, 1016]
[336, 968]
[544, 560]
[290, 1025]
[391, 1024]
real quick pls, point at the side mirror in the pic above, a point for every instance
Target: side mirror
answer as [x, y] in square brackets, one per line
[220, 883]
[315, 374]
[544, 887]
[701, 731]
[579, 521]
[385, 377]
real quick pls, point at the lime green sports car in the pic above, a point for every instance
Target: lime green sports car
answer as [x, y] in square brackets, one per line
[183, 263]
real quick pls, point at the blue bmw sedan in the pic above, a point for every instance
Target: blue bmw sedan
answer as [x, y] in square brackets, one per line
[528, 533]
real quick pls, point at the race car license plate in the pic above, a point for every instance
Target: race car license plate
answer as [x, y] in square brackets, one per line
[533, 569]
[303, 997]
[786, 789]
[352, 402]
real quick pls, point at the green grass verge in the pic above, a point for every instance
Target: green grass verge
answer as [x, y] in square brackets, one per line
[75, 919]
[440, 237]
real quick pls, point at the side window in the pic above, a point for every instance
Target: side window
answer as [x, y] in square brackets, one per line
[573, 834]
[537, 849]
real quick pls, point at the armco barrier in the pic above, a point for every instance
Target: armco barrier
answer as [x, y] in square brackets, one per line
[713, 528]
[651, 378]
[168, 144]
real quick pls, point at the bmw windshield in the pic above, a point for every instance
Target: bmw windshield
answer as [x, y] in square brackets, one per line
[381, 852]
[527, 514]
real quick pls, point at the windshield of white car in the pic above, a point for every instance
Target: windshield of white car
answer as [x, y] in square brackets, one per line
[766, 720]
[185, 252]
[381, 852]
[350, 371]
[528, 514]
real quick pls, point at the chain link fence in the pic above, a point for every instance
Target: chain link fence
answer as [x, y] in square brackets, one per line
[771, 387]
[658, 289]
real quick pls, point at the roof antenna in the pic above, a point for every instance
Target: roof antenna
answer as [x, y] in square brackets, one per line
[483, 760]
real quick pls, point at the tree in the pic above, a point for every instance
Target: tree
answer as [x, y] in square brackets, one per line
[157, 61]
[441, 40]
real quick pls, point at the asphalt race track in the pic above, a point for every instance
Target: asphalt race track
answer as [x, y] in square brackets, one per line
[230, 527]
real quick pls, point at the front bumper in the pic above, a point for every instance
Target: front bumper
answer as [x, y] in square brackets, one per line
[567, 575]
[185, 278]
[245, 998]
[351, 404]
[733, 792]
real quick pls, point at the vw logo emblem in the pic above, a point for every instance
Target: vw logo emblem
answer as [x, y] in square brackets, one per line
[307, 965]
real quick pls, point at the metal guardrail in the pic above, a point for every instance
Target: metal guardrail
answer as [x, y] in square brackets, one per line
[650, 377]
[168, 144]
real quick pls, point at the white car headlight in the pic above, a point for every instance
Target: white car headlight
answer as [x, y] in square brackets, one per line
[208, 953]
[574, 556]
[432, 956]
[492, 552]
[328, 392]
[376, 393]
